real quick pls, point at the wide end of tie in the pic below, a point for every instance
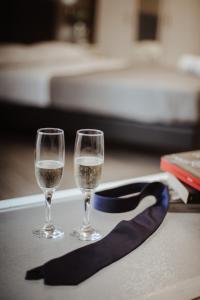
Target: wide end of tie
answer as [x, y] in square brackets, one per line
[34, 274]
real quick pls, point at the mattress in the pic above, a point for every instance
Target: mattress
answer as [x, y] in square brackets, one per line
[141, 93]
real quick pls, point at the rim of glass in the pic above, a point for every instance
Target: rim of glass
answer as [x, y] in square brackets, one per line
[90, 132]
[50, 131]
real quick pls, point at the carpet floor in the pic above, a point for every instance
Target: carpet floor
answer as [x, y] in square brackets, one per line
[17, 165]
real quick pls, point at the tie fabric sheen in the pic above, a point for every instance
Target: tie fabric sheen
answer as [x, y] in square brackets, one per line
[80, 264]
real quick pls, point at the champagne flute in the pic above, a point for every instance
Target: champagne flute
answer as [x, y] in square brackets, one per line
[88, 162]
[49, 165]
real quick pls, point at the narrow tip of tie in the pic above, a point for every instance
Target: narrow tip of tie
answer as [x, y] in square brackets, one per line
[34, 274]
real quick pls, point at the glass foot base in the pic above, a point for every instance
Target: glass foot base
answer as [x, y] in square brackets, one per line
[87, 234]
[48, 232]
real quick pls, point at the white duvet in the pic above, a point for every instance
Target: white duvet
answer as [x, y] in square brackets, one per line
[26, 71]
[139, 94]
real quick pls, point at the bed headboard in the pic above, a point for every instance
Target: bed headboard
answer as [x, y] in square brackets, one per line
[27, 21]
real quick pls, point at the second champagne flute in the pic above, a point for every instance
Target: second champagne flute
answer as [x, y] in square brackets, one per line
[88, 162]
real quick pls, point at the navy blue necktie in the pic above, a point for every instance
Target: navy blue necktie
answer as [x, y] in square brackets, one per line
[78, 265]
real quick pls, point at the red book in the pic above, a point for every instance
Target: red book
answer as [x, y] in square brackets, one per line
[185, 166]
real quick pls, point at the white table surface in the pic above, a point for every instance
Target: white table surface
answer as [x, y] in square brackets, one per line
[166, 266]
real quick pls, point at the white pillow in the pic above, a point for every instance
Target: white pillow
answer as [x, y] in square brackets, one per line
[189, 63]
[42, 53]
[61, 49]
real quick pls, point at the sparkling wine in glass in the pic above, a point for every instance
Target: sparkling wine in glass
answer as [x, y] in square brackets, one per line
[88, 162]
[49, 165]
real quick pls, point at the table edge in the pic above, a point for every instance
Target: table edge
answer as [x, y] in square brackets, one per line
[64, 195]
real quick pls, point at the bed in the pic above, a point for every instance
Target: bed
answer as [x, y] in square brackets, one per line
[70, 86]
[26, 71]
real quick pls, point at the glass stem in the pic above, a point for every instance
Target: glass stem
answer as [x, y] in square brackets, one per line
[48, 197]
[87, 199]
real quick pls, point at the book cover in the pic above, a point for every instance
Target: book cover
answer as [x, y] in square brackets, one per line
[185, 166]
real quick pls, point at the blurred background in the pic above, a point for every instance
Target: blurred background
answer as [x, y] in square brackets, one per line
[128, 67]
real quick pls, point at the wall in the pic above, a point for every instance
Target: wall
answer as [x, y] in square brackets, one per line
[149, 6]
[116, 26]
[179, 32]
[179, 28]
